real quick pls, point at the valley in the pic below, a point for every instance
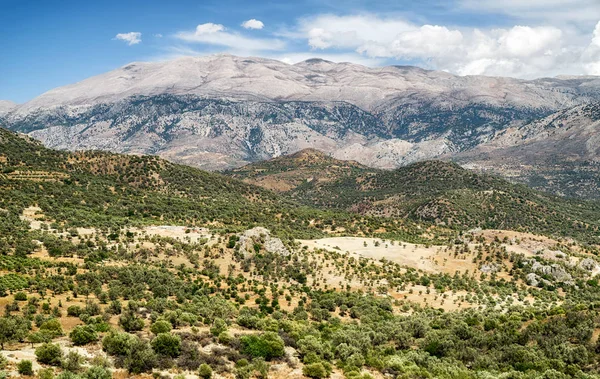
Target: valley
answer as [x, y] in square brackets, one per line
[132, 266]
[226, 189]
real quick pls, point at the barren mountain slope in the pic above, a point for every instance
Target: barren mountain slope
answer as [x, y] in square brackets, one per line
[224, 111]
[559, 153]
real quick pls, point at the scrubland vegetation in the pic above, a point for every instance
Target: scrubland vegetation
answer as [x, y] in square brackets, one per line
[92, 288]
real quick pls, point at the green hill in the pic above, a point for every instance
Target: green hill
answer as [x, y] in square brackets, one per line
[97, 189]
[437, 192]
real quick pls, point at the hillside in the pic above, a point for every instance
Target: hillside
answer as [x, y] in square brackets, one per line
[286, 173]
[132, 266]
[558, 153]
[432, 191]
[110, 191]
[223, 111]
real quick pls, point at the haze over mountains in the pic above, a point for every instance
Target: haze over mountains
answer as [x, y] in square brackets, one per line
[224, 111]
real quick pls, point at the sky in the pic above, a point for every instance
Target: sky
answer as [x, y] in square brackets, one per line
[46, 44]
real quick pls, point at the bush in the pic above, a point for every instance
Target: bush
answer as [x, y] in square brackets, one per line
[268, 346]
[73, 362]
[82, 335]
[130, 322]
[161, 326]
[219, 326]
[315, 370]
[52, 328]
[140, 358]
[45, 373]
[225, 338]
[98, 372]
[116, 343]
[25, 367]
[68, 375]
[205, 371]
[167, 344]
[50, 354]
[20, 296]
[74, 311]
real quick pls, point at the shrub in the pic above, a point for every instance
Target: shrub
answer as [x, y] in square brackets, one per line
[140, 358]
[74, 311]
[50, 354]
[73, 361]
[268, 346]
[45, 373]
[167, 344]
[68, 375]
[25, 367]
[52, 328]
[116, 343]
[161, 326]
[98, 372]
[315, 370]
[92, 308]
[205, 371]
[225, 338]
[20, 296]
[130, 322]
[219, 326]
[82, 335]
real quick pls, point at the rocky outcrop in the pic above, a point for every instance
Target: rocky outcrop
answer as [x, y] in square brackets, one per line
[489, 268]
[554, 271]
[588, 264]
[534, 280]
[261, 236]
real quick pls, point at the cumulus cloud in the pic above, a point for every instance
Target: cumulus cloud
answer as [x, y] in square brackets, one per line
[217, 34]
[132, 38]
[327, 31]
[524, 51]
[520, 51]
[253, 24]
[592, 53]
[556, 11]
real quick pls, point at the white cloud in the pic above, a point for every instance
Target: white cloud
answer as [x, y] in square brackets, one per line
[592, 53]
[326, 31]
[158, 35]
[426, 42]
[217, 34]
[555, 11]
[253, 24]
[596, 35]
[209, 28]
[132, 38]
[520, 51]
[524, 51]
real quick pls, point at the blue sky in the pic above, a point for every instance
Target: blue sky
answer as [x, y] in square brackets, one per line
[45, 44]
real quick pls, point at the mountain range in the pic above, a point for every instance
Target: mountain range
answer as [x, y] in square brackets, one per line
[222, 112]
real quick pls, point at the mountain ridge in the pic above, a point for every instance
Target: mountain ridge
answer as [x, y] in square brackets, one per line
[221, 112]
[209, 75]
[559, 153]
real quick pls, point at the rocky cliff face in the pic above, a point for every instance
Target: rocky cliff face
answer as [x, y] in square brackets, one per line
[559, 153]
[223, 111]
